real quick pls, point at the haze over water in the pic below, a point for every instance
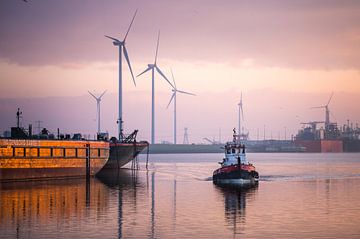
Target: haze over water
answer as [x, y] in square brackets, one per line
[298, 196]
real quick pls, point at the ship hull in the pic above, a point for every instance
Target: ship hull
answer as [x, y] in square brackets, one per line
[236, 174]
[351, 145]
[123, 153]
[45, 159]
[321, 146]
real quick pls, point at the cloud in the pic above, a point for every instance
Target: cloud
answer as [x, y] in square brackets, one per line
[292, 34]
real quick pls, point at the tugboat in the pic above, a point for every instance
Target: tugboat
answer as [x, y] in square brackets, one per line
[235, 169]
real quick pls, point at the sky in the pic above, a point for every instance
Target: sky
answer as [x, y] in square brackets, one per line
[284, 56]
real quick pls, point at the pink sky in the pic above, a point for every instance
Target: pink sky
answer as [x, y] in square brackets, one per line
[287, 55]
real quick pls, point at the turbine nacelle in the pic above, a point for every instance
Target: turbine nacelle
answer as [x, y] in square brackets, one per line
[98, 100]
[118, 43]
[173, 97]
[175, 91]
[155, 66]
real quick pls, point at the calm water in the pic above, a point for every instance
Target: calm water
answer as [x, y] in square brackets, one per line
[299, 196]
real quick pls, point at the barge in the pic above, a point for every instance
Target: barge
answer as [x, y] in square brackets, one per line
[24, 156]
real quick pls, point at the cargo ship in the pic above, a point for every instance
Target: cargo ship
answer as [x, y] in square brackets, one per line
[323, 140]
[235, 169]
[329, 138]
[24, 156]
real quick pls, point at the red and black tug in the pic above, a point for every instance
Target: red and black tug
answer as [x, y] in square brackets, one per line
[235, 169]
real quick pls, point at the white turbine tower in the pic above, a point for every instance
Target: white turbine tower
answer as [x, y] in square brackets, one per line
[152, 67]
[98, 100]
[327, 111]
[175, 91]
[241, 113]
[122, 49]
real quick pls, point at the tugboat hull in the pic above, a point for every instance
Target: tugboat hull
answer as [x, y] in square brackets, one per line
[236, 174]
[235, 169]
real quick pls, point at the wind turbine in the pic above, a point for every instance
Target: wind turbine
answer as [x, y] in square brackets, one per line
[122, 49]
[98, 100]
[241, 113]
[327, 111]
[175, 91]
[152, 67]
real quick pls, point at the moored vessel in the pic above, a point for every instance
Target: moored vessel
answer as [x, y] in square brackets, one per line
[122, 152]
[235, 169]
[24, 156]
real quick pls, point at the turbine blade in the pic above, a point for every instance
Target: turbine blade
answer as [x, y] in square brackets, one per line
[157, 47]
[184, 92]
[92, 95]
[330, 98]
[149, 68]
[114, 39]
[172, 97]
[173, 78]
[162, 74]
[130, 25]
[102, 94]
[128, 62]
[317, 107]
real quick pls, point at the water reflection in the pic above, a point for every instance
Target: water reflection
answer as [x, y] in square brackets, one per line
[24, 204]
[175, 202]
[126, 182]
[235, 200]
[153, 205]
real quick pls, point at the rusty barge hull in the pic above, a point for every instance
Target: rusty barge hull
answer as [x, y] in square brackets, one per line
[122, 153]
[24, 159]
[321, 146]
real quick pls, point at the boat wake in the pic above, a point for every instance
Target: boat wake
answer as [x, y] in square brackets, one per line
[306, 177]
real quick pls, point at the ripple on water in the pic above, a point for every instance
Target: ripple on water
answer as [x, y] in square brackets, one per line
[175, 199]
